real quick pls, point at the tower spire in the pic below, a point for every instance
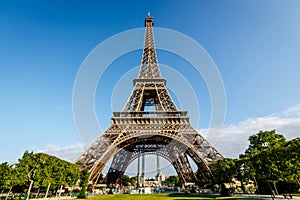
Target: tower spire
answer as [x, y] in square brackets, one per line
[149, 66]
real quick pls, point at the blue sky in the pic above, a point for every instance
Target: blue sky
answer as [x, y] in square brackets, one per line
[255, 45]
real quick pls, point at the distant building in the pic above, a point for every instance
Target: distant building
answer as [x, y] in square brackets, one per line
[160, 178]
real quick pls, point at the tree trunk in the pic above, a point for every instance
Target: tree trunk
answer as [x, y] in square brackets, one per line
[37, 194]
[276, 191]
[29, 189]
[272, 191]
[47, 191]
[297, 180]
[56, 193]
[72, 190]
[242, 185]
[60, 191]
[224, 191]
[8, 192]
[256, 184]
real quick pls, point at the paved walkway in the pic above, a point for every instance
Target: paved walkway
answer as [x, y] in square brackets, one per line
[258, 196]
[56, 198]
[261, 196]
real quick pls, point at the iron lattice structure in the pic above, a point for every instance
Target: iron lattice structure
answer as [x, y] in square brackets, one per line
[136, 131]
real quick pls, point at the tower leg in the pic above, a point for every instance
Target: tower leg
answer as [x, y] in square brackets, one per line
[157, 164]
[138, 173]
[143, 170]
[158, 169]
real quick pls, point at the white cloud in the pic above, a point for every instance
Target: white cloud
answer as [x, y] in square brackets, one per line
[293, 111]
[234, 140]
[69, 153]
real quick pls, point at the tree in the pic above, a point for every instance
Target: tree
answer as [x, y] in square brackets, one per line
[202, 179]
[56, 172]
[127, 181]
[223, 172]
[5, 172]
[43, 170]
[27, 168]
[101, 179]
[264, 159]
[269, 160]
[133, 181]
[244, 172]
[292, 152]
[288, 164]
[71, 174]
[46, 174]
[8, 178]
[84, 176]
[172, 181]
[264, 140]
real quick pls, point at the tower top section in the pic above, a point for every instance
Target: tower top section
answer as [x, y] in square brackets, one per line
[149, 67]
[149, 21]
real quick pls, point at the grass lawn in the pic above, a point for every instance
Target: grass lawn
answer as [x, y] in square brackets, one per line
[132, 197]
[162, 197]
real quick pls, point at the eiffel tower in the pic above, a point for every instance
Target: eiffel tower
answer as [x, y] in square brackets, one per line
[149, 123]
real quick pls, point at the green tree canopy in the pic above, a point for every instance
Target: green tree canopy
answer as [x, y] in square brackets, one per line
[38, 169]
[223, 170]
[127, 181]
[270, 159]
[84, 177]
[6, 180]
[172, 181]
